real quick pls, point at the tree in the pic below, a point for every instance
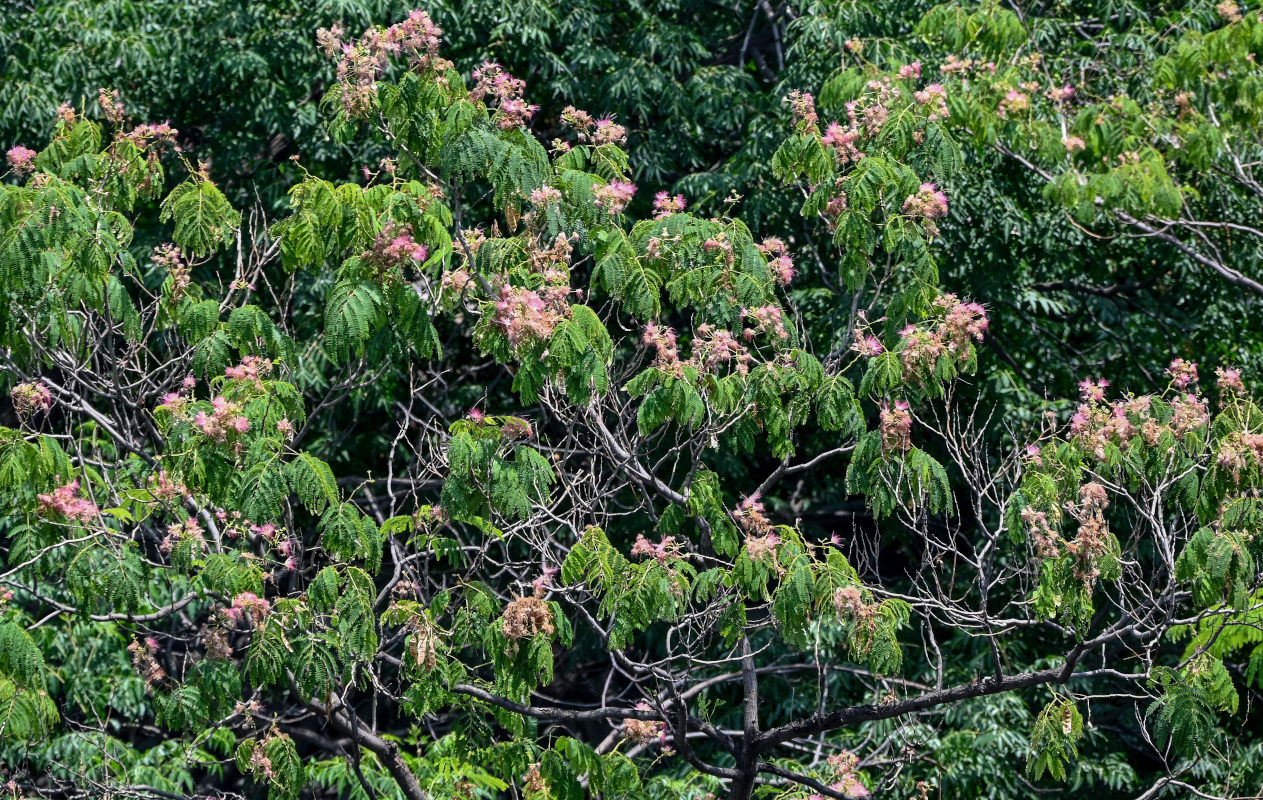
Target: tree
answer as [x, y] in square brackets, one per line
[476, 475]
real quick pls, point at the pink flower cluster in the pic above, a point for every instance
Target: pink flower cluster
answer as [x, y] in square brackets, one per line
[456, 281]
[224, 422]
[145, 660]
[21, 159]
[614, 196]
[526, 316]
[867, 345]
[803, 106]
[594, 131]
[929, 203]
[144, 135]
[962, 323]
[761, 537]
[667, 548]
[492, 81]
[934, 96]
[866, 116]
[1074, 143]
[843, 141]
[545, 196]
[642, 731]
[714, 346]
[844, 765]
[711, 347]
[779, 261]
[663, 340]
[1229, 11]
[31, 398]
[64, 501]
[1014, 102]
[664, 205]
[910, 71]
[181, 532]
[540, 586]
[764, 319]
[896, 427]
[251, 368]
[169, 257]
[1060, 94]
[1097, 423]
[919, 350]
[111, 105]
[1043, 536]
[849, 604]
[1093, 538]
[1238, 450]
[360, 62]
[394, 249]
[248, 603]
[163, 487]
[1230, 380]
[1183, 373]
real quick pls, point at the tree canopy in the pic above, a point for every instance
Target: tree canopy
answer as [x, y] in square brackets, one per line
[662, 401]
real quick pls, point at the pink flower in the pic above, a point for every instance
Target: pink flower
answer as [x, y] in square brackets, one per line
[1061, 94]
[867, 345]
[1230, 380]
[609, 132]
[664, 205]
[896, 426]
[1073, 143]
[1182, 373]
[614, 196]
[928, 203]
[912, 70]
[65, 501]
[1093, 391]
[31, 398]
[21, 159]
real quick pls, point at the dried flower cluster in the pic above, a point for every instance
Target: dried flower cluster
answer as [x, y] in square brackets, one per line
[527, 616]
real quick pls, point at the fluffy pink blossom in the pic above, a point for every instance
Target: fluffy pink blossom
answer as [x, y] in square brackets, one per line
[803, 107]
[1093, 391]
[1060, 94]
[1073, 143]
[248, 603]
[867, 345]
[491, 81]
[614, 196]
[1182, 373]
[934, 96]
[1230, 380]
[929, 203]
[765, 319]
[667, 548]
[31, 398]
[843, 141]
[224, 422]
[21, 159]
[912, 70]
[527, 316]
[545, 196]
[608, 132]
[251, 368]
[779, 262]
[896, 426]
[664, 205]
[64, 501]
